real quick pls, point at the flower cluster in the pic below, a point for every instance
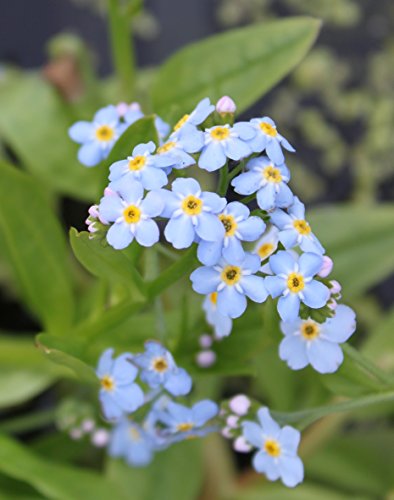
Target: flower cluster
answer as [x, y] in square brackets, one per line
[136, 396]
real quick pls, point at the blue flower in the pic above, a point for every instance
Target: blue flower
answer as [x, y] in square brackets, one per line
[295, 230]
[267, 244]
[268, 138]
[307, 342]
[238, 227]
[221, 324]
[159, 369]
[97, 137]
[222, 142]
[191, 213]
[277, 449]
[200, 113]
[163, 128]
[232, 284]
[178, 146]
[295, 284]
[131, 214]
[131, 442]
[118, 394]
[268, 180]
[142, 166]
[133, 113]
[182, 422]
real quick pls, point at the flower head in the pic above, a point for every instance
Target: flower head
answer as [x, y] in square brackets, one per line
[158, 368]
[131, 214]
[268, 180]
[200, 113]
[179, 146]
[294, 283]
[276, 455]
[267, 244]
[233, 283]
[131, 442]
[308, 342]
[96, 137]
[119, 394]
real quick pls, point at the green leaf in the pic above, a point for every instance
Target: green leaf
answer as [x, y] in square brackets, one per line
[380, 343]
[35, 248]
[306, 491]
[243, 63]
[34, 122]
[19, 385]
[53, 480]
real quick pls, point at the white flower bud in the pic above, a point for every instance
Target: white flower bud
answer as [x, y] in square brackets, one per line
[205, 341]
[335, 287]
[326, 267]
[88, 425]
[241, 445]
[100, 438]
[205, 359]
[240, 404]
[232, 421]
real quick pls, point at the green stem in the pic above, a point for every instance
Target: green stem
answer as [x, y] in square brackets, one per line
[367, 365]
[28, 422]
[248, 199]
[122, 49]
[223, 181]
[236, 170]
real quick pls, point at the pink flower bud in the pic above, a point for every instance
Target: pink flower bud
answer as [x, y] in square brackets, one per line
[335, 287]
[240, 404]
[122, 108]
[205, 341]
[91, 228]
[241, 445]
[75, 433]
[232, 421]
[332, 304]
[100, 438]
[326, 267]
[227, 433]
[205, 359]
[88, 425]
[93, 211]
[225, 105]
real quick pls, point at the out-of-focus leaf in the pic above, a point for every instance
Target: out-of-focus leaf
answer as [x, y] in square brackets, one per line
[19, 385]
[243, 63]
[306, 491]
[53, 480]
[175, 473]
[33, 243]
[379, 345]
[12, 489]
[34, 122]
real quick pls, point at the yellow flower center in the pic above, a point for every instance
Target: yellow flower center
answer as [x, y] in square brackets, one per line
[229, 224]
[192, 205]
[272, 447]
[107, 383]
[295, 282]
[214, 298]
[134, 434]
[104, 133]
[220, 133]
[272, 174]
[166, 147]
[184, 427]
[231, 275]
[181, 122]
[310, 330]
[302, 226]
[268, 129]
[160, 364]
[132, 214]
[137, 163]
[265, 249]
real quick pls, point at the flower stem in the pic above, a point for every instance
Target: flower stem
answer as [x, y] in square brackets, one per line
[223, 181]
[28, 422]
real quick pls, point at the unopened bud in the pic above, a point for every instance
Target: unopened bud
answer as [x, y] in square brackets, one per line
[227, 433]
[122, 108]
[232, 421]
[241, 445]
[88, 425]
[240, 404]
[326, 267]
[332, 304]
[335, 287]
[100, 438]
[93, 211]
[75, 433]
[205, 341]
[205, 359]
[225, 105]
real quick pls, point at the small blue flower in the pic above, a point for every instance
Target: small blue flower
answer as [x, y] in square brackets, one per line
[131, 214]
[221, 324]
[308, 342]
[178, 146]
[191, 213]
[268, 180]
[142, 166]
[295, 284]
[97, 137]
[295, 230]
[232, 284]
[159, 369]
[131, 442]
[119, 393]
[222, 142]
[163, 128]
[182, 422]
[268, 138]
[277, 449]
[238, 227]
[267, 244]
[200, 113]
[133, 113]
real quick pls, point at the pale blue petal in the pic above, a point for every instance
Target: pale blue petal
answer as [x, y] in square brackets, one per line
[105, 363]
[311, 244]
[293, 350]
[291, 327]
[91, 153]
[180, 232]
[111, 208]
[275, 285]
[266, 465]
[212, 157]
[111, 410]
[147, 233]
[119, 236]
[201, 112]
[234, 252]
[179, 383]
[171, 202]
[291, 470]
[129, 397]
[153, 204]
[139, 454]
[247, 183]
[281, 219]
[204, 411]
[209, 252]
[143, 148]
[310, 264]
[236, 149]
[254, 288]
[270, 427]
[297, 209]
[230, 302]
[274, 152]
[284, 197]
[106, 115]
[315, 294]
[81, 132]
[288, 238]
[324, 356]
[205, 280]
[238, 209]
[286, 144]
[153, 178]
[129, 189]
[213, 201]
[266, 197]
[289, 307]
[186, 186]
[251, 229]
[282, 262]
[252, 262]
[245, 130]
[124, 372]
[253, 433]
[191, 139]
[118, 169]
[289, 439]
[341, 326]
[209, 227]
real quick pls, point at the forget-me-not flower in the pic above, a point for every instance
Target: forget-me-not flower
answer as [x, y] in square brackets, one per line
[233, 283]
[131, 214]
[200, 113]
[158, 368]
[277, 449]
[238, 226]
[119, 393]
[267, 244]
[192, 213]
[179, 146]
[294, 229]
[222, 142]
[131, 442]
[268, 180]
[222, 325]
[97, 137]
[294, 283]
[308, 342]
[268, 138]
[143, 166]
